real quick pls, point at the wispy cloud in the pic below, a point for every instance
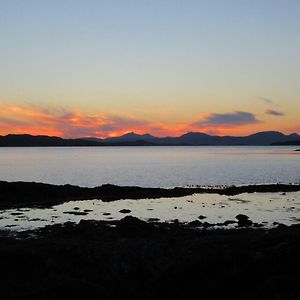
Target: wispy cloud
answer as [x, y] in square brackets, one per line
[274, 112]
[266, 100]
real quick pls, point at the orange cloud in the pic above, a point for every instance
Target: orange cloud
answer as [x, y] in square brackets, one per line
[28, 118]
[37, 120]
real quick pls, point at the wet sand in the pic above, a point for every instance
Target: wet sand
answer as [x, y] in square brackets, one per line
[138, 260]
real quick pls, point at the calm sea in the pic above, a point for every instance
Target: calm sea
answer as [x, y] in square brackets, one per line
[151, 166]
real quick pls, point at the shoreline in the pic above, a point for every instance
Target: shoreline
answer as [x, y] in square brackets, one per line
[131, 258]
[140, 260]
[32, 194]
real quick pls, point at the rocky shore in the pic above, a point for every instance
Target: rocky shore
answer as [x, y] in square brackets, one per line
[132, 259]
[32, 194]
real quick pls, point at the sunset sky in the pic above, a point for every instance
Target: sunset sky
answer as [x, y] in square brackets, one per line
[103, 68]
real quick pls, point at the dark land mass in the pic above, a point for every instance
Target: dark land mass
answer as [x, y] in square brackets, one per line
[32, 194]
[288, 143]
[26, 140]
[139, 260]
[203, 139]
[133, 139]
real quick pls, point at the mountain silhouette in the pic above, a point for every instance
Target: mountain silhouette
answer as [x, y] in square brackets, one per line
[133, 139]
[27, 140]
[199, 138]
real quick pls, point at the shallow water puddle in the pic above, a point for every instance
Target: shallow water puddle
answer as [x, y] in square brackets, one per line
[260, 207]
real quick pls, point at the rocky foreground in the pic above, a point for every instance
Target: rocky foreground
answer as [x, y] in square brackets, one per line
[132, 259]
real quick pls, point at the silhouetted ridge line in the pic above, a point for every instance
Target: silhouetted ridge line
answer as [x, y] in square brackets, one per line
[27, 140]
[133, 139]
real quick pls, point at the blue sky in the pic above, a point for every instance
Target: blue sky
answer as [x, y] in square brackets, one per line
[159, 61]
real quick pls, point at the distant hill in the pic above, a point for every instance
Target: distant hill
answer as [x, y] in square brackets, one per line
[133, 139]
[201, 139]
[26, 140]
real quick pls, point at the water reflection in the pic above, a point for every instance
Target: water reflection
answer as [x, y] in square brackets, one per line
[151, 166]
[269, 208]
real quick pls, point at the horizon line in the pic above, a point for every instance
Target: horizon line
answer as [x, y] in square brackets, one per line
[132, 132]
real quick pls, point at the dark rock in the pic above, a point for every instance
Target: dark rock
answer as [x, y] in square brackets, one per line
[245, 223]
[279, 225]
[202, 217]
[282, 225]
[133, 224]
[76, 213]
[153, 219]
[125, 211]
[242, 217]
[257, 225]
[149, 261]
[206, 225]
[88, 226]
[195, 223]
[16, 213]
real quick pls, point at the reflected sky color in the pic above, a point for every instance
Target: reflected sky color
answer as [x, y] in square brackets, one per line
[151, 166]
[103, 68]
[260, 207]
